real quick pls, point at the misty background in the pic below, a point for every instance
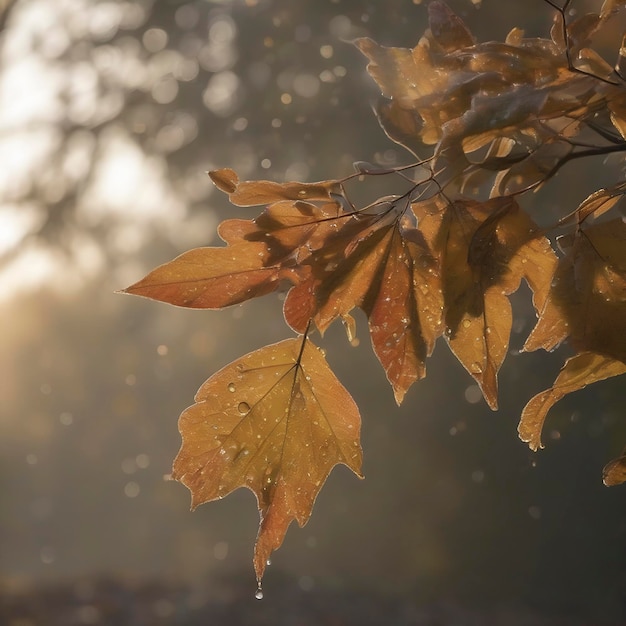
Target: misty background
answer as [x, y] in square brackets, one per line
[111, 112]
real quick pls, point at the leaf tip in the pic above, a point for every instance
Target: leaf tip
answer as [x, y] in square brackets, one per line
[614, 473]
[224, 179]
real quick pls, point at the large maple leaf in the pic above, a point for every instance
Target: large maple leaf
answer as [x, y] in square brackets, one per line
[275, 421]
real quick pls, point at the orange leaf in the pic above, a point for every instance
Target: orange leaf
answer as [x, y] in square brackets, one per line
[212, 278]
[275, 421]
[615, 472]
[485, 249]
[261, 253]
[587, 299]
[386, 270]
[404, 305]
[341, 273]
[254, 192]
[600, 201]
[578, 372]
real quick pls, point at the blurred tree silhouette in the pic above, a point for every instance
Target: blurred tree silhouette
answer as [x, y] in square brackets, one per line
[112, 111]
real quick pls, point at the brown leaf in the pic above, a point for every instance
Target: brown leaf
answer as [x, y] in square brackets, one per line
[404, 305]
[587, 305]
[447, 28]
[617, 105]
[261, 253]
[600, 201]
[403, 126]
[255, 192]
[611, 6]
[341, 273]
[225, 180]
[212, 278]
[614, 473]
[388, 271]
[587, 299]
[578, 372]
[275, 421]
[485, 249]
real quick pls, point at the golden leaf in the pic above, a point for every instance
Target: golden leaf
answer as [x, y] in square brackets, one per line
[275, 421]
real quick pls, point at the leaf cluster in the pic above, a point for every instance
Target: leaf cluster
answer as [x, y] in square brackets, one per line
[439, 259]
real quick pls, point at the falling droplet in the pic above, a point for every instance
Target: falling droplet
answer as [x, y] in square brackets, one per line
[259, 593]
[243, 407]
[231, 387]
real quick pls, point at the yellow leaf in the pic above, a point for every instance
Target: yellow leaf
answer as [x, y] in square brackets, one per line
[578, 372]
[485, 249]
[275, 421]
[255, 192]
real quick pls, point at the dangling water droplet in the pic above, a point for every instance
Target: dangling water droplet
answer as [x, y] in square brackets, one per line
[231, 387]
[243, 407]
[268, 562]
[259, 593]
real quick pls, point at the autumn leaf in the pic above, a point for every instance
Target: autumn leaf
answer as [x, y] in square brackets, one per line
[484, 250]
[587, 306]
[341, 272]
[447, 28]
[386, 269]
[600, 201]
[251, 193]
[404, 306]
[260, 254]
[587, 299]
[275, 421]
[614, 473]
[578, 372]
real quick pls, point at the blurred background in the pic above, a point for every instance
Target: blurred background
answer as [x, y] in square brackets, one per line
[111, 112]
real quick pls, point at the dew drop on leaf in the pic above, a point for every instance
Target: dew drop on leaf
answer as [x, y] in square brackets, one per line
[231, 387]
[243, 408]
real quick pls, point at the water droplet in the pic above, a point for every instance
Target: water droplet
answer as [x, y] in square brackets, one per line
[259, 593]
[466, 323]
[268, 562]
[243, 408]
[231, 387]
